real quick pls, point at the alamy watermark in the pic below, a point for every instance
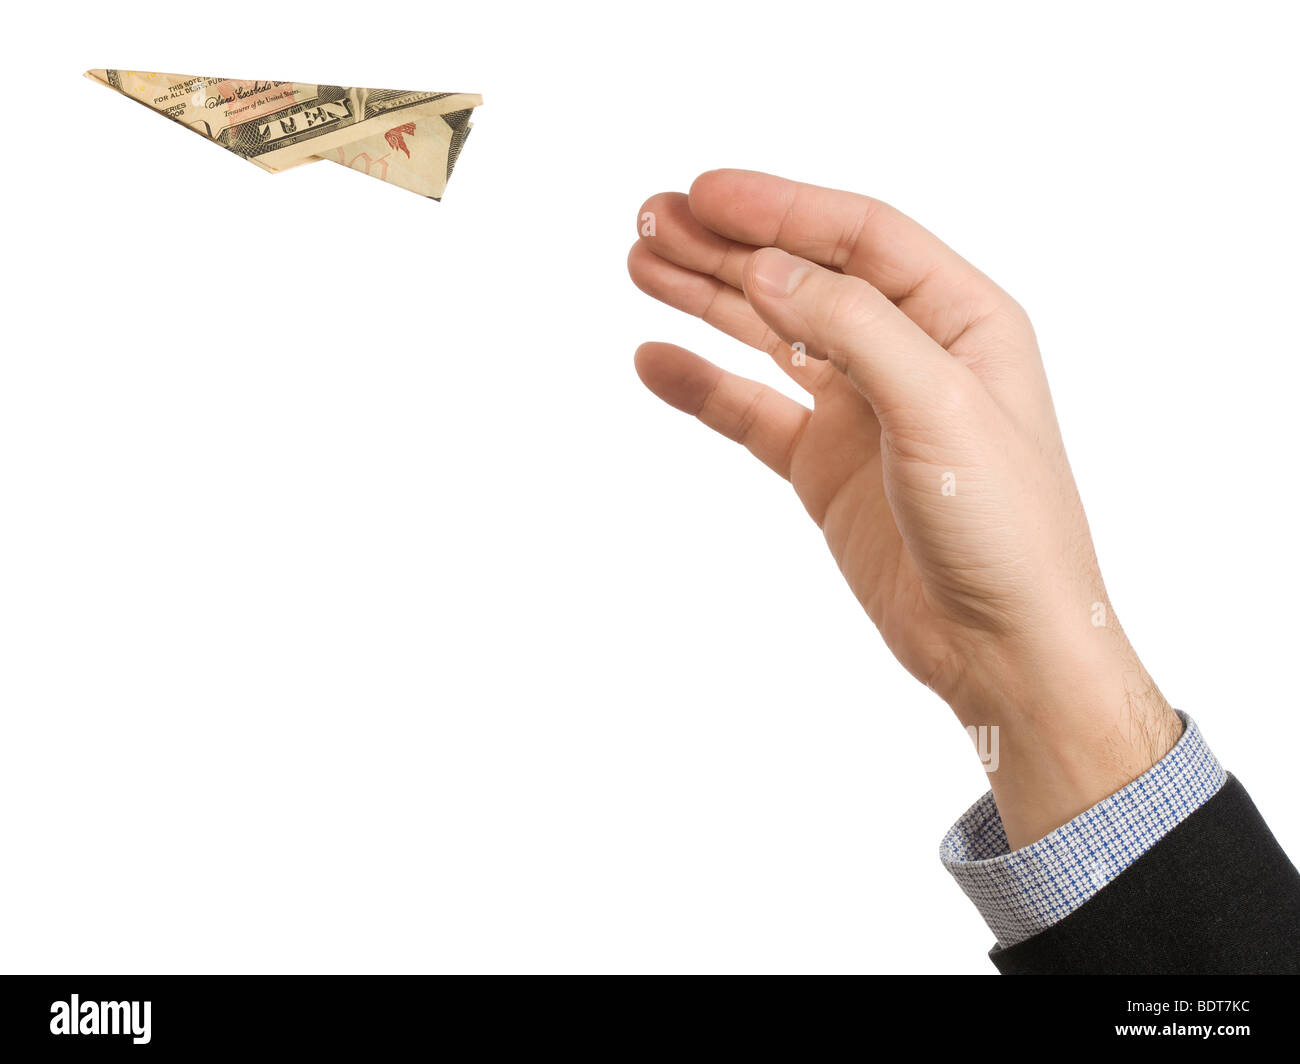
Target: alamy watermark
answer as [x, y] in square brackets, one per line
[75, 1016]
[985, 738]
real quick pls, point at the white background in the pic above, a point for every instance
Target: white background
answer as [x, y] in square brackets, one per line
[360, 611]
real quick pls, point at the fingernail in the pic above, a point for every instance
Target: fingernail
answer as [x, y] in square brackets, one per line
[776, 273]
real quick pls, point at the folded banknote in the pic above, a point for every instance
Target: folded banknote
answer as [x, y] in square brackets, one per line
[406, 138]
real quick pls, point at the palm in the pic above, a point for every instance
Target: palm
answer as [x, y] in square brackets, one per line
[838, 473]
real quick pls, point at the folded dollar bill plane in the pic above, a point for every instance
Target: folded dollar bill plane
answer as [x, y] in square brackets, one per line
[411, 139]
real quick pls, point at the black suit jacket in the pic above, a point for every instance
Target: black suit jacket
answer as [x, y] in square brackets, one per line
[1215, 896]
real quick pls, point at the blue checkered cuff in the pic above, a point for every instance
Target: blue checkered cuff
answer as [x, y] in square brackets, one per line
[1022, 892]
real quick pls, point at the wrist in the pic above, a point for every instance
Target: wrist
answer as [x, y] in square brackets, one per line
[1072, 728]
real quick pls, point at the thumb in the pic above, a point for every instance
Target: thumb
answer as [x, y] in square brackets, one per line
[886, 355]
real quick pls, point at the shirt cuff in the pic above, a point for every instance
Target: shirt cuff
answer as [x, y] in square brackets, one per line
[1022, 892]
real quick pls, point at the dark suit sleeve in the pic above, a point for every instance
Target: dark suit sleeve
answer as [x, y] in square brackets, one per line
[1215, 896]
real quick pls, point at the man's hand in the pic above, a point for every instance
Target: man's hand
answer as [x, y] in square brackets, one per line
[931, 459]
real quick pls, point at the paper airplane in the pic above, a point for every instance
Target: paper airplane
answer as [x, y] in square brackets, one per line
[410, 139]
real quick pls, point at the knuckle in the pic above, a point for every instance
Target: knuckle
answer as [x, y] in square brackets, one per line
[849, 311]
[771, 344]
[952, 397]
[845, 249]
[709, 313]
[747, 417]
[1018, 316]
